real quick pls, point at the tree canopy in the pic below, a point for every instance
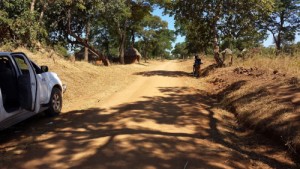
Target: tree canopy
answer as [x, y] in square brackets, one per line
[212, 22]
[108, 28]
[283, 22]
[104, 27]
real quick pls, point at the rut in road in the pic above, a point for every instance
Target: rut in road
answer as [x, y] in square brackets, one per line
[159, 121]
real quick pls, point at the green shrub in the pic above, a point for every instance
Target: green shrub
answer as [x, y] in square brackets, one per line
[8, 46]
[61, 50]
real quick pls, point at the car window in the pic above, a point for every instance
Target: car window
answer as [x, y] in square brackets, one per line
[22, 64]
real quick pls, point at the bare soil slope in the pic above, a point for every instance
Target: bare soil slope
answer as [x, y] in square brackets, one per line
[162, 118]
[265, 100]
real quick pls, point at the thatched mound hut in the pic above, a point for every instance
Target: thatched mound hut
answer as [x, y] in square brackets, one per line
[227, 53]
[132, 55]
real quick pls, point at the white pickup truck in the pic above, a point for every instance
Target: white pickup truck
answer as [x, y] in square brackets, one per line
[26, 89]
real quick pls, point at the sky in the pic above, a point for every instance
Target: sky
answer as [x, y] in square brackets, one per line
[171, 21]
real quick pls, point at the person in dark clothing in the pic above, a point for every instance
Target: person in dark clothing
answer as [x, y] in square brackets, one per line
[196, 66]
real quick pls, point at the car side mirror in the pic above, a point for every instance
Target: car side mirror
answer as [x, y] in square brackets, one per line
[44, 68]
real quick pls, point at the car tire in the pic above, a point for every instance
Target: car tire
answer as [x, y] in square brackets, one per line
[55, 103]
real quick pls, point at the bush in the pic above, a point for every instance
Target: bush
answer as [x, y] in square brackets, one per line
[61, 50]
[8, 46]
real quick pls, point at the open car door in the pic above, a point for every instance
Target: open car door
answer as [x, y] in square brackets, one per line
[27, 82]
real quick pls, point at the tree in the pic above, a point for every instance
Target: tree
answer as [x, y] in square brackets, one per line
[126, 16]
[70, 21]
[283, 22]
[208, 15]
[180, 50]
[163, 42]
[98, 26]
[239, 32]
[19, 23]
[139, 11]
[155, 38]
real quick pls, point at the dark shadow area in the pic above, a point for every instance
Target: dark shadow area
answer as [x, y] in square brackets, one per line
[14, 132]
[164, 73]
[180, 128]
[286, 93]
[205, 71]
[272, 123]
[143, 64]
[230, 89]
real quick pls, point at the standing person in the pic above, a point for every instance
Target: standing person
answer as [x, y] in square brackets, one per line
[196, 66]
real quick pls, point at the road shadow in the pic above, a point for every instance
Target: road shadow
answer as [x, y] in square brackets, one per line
[228, 90]
[183, 128]
[164, 73]
[270, 109]
[15, 132]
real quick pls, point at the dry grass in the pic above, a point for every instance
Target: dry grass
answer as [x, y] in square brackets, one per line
[87, 84]
[283, 63]
[268, 103]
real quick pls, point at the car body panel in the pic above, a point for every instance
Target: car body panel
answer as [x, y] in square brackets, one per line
[42, 85]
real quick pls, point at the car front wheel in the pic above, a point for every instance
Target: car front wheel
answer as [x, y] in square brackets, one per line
[55, 102]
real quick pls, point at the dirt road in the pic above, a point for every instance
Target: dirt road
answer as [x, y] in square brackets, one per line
[159, 121]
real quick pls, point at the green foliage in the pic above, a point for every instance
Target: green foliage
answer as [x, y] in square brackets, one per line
[112, 26]
[180, 50]
[19, 25]
[228, 20]
[283, 22]
[155, 39]
[8, 46]
[61, 50]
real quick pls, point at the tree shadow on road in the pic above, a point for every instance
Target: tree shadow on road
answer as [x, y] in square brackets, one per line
[164, 73]
[182, 128]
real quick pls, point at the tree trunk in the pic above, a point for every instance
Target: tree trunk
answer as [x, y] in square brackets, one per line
[215, 35]
[86, 49]
[122, 48]
[278, 40]
[133, 38]
[144, 52]
[86, 54]
[122, 40]
[32, 6]
[84, 43]
[107, 47]
[45, 4]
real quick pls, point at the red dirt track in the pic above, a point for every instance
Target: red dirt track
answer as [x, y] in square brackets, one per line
[159, 121]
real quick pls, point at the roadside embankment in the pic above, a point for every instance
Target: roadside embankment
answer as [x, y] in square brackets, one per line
[263, 98]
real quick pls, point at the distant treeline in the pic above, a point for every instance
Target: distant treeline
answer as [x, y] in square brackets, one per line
[109, 27]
